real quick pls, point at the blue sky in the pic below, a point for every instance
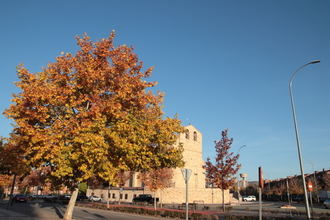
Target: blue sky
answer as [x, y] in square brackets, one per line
[221, 64]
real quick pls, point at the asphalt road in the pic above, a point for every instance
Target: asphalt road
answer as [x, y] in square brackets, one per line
[49, 211]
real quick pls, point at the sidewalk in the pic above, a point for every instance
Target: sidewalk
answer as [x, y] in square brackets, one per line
[28, 211]
[10, 215]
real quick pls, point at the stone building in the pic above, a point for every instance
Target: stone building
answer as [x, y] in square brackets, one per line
[198, 192]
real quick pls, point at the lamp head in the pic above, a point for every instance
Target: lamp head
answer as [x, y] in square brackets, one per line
[314, 61]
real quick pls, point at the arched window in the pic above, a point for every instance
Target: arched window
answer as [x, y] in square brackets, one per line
[187, 134]
[195, 136]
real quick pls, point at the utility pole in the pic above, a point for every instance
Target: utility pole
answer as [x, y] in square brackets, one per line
[186, 173]
[261, 186]
[287, 191]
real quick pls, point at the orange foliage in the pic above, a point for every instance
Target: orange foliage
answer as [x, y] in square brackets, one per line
[90, 114]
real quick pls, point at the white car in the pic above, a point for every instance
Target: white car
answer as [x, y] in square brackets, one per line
[95, 199]
[249, 198]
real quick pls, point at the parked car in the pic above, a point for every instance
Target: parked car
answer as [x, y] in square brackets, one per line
[82, 197]
[63, 199]
[50, 198]
[326, 204]
[36, 197]
[249, 198]
[95, 199]
[20, 198]
[145, 198]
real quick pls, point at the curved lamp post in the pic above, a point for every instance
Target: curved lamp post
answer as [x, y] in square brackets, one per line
[241, 148]
[238, 194]
[297, 134]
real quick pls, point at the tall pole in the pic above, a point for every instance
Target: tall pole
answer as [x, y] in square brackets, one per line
[260, 203]
[316, 188]
[288, 191]
[238, 193]
[297, 135]
[186, 181]
[186, 173]
[315, 182]
[261, 186]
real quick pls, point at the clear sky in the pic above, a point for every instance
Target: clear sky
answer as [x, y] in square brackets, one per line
[221, 64]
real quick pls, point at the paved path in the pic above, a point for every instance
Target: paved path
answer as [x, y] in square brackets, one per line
[29, 211]
[49, 211]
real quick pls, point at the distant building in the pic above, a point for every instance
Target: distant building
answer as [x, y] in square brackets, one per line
[198, 192]
[293, 184]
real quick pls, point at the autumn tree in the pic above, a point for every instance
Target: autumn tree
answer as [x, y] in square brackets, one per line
[157, 179]
[221, 173]
[93, 114]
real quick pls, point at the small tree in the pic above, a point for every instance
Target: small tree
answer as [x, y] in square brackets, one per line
[157, 179]
[221, 174]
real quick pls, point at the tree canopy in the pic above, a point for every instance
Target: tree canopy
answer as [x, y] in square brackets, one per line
[92, 114]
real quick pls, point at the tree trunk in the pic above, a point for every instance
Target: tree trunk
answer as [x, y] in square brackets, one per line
[155, 201]
[108, 202]
[223, 200]
[11, 199]
[161, 199]
[69, 209]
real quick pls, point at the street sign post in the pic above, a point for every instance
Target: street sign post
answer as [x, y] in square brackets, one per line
[310, 190]
[186, 173]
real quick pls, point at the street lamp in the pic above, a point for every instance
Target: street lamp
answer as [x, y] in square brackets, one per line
[241, 148]
[297, 134]
[315, 181]
[238, 194]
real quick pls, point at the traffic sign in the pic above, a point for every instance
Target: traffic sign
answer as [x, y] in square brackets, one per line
[186, 173]
[309, 186]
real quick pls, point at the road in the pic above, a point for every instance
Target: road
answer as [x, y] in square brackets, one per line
[49, 211]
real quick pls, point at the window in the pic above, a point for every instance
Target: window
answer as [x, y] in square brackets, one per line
[187, 134]
[120, 196]
[126, 196]
[113, 195]
[195, 136]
